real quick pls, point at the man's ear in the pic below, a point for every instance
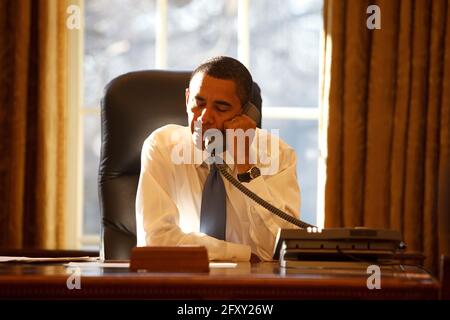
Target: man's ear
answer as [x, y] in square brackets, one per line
[186, 93]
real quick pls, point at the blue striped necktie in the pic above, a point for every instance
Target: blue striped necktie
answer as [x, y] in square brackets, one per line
[213, 213]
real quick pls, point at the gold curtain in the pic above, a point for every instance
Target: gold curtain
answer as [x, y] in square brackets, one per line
[33, 110]
[386, 120]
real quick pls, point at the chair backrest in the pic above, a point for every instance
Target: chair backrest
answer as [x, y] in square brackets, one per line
[133, 106]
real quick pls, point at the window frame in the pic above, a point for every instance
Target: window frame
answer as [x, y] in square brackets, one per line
[77, 238]
[74, 169]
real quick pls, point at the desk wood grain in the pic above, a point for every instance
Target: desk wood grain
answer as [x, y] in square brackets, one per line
[246, 281]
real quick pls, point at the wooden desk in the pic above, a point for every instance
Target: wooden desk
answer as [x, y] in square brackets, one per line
[246, 281]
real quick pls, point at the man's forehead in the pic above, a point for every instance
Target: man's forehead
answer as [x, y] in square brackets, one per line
[204, 81]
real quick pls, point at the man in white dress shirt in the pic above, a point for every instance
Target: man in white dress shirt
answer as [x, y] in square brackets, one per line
[169, 195]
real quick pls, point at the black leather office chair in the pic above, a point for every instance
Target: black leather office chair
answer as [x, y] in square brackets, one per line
[134, 105]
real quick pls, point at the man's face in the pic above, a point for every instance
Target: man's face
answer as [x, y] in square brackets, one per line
[210, 102]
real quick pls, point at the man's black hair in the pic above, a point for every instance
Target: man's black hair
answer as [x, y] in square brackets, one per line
[227, 68]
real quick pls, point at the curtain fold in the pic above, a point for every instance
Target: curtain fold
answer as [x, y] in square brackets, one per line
[387, 125]
[443, 201]
[33, 111]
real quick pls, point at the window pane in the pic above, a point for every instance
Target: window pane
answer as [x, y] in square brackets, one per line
[200, 29]
[284, 50]
[302, 136]
[119, 38]
[92, 141]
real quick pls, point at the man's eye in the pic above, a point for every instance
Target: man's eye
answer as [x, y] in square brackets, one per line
[198, 106]
[221, 108]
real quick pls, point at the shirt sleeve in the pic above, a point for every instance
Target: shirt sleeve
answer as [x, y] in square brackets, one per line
[282, 191]
[157, 216]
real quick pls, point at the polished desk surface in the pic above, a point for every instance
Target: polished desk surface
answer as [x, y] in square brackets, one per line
[246, 281]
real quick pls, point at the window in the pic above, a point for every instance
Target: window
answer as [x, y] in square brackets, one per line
[284, 60]
[279, 44]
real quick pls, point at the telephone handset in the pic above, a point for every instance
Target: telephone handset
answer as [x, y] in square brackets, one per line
[252, 111]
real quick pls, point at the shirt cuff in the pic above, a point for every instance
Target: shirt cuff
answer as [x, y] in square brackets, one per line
[258, 187]
[260, 216]
[237, 252]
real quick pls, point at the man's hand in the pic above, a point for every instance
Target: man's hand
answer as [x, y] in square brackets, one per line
[241, 151]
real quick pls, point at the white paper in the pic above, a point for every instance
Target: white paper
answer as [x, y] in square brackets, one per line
[92, 262]
[98, 265]
[222, 265]
[212, 265]
[44, 259]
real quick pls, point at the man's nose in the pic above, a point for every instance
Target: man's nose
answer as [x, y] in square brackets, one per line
[206, 115]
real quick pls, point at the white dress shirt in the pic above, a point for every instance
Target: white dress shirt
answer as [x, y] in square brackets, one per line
[169, 199]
